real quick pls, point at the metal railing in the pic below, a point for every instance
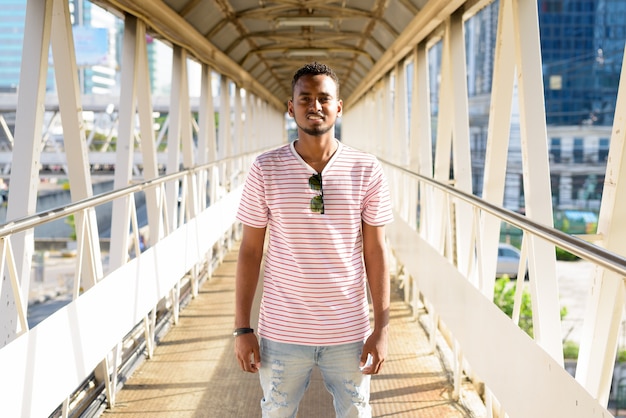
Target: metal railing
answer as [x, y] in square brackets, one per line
[124, 302]
[571, 243]
[459, 299]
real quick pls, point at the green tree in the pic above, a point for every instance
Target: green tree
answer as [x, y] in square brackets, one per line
[504, 298]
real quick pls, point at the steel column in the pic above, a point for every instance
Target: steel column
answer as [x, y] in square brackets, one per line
[607, 298]
[148, 141]
[461, 141]
[497, 142]
[79, 175]
[535, 162]
[125, 148]
[26, 155]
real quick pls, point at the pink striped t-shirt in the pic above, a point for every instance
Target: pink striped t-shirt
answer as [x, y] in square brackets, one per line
[314, 288]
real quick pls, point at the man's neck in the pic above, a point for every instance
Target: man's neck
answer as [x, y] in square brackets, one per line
[316, 151]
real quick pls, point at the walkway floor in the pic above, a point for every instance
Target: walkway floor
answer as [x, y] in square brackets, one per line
[194, 374]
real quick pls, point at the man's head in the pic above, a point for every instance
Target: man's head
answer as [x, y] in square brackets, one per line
[315, 68]
[315, 105]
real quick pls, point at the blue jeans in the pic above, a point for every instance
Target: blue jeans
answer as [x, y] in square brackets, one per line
[286, 372]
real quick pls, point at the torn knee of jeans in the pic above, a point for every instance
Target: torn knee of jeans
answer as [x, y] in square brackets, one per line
[278, 367]
[278, 398]
[354, 390]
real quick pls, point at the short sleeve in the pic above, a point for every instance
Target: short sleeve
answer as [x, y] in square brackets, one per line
[253, 209]
[377, 209]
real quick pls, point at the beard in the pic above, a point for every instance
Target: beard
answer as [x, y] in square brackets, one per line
[316, 130]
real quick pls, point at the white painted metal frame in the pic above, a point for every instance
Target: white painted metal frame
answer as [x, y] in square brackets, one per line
[452, 253]
[536, 171]
[447, 248]
[29, 120]
[60, 352]
[607, 296]
[53, 359]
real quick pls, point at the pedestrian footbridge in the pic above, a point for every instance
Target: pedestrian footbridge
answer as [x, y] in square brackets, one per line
[144, 324]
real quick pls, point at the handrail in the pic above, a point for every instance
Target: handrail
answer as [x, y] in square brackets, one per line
[591, 252]
[31, 221]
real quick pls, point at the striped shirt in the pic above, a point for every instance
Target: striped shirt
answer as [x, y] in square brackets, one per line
[314, 288]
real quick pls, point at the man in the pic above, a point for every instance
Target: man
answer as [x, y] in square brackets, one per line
[326, 205]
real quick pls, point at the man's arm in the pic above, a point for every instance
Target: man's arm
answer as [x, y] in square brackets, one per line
[246, 280]
[377, 271]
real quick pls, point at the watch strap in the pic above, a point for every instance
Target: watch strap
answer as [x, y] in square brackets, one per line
[241, 331]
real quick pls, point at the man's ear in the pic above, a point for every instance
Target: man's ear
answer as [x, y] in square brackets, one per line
[290, 107]
[339, 107]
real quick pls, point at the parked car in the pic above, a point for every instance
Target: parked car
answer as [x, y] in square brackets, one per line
[508, 261]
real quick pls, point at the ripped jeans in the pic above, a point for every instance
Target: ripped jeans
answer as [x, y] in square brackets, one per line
[286, 372]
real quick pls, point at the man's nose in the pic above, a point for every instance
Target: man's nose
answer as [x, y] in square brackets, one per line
[315, 104]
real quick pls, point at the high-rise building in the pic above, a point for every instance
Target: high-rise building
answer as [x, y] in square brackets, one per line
[582, 43]
[96, 47]
[95, 44]
[94, 38]
[12, 15]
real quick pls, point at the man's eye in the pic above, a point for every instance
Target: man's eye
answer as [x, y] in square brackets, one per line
[309, 100]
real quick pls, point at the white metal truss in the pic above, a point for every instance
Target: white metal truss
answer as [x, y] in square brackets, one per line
[48, 23]
[132, 44]
[475, 233]
[75, 142]
[7, 132]
[28, 129]
[149, 146]
[535, 161]
[497, 142]
[421, 144]
[444, 239]
[607, 295]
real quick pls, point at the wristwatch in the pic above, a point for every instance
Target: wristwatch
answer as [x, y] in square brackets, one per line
[241, 331]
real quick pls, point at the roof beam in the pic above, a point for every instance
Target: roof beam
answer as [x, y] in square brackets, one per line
[432, 15]
[171, 26]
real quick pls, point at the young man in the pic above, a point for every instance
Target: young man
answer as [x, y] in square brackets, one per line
[326, 205]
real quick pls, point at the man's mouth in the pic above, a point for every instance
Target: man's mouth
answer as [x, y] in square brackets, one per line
[315, 117]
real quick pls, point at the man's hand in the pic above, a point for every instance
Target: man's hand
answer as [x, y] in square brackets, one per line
[375, 346]
[247, 352]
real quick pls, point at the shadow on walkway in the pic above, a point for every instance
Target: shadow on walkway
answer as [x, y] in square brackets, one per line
[194, 373]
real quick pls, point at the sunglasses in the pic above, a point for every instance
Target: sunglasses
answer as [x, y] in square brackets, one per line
[317, 203]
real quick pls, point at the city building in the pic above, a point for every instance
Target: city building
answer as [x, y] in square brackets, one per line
[94, 38]
[12, 16]
[98, 39]
[582, 51]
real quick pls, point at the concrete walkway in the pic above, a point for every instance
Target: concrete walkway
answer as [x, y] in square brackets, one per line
[194, 373]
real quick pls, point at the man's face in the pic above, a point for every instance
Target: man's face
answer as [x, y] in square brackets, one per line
[315, 106]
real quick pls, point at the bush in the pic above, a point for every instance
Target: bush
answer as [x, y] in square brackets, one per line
[563, 255]
[504, 298]
[570, 350]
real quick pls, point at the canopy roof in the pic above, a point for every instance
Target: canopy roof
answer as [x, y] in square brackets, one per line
[260, 44]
